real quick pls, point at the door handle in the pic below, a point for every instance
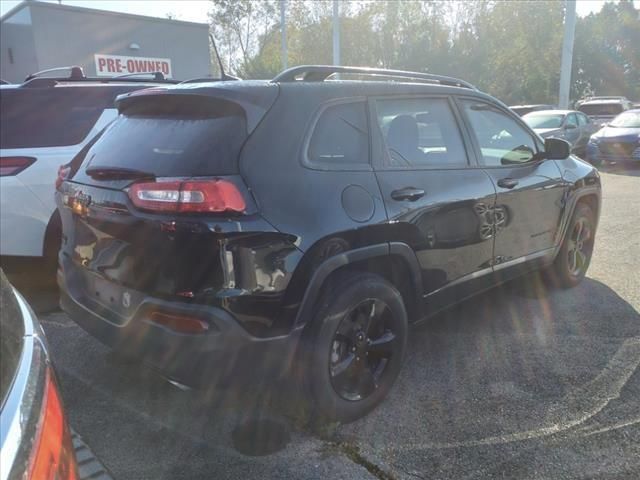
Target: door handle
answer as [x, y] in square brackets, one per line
[408, 193]
[507, 183]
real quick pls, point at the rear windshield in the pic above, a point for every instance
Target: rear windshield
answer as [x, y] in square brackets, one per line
[601, 109]
[166, 145]
[50, 117]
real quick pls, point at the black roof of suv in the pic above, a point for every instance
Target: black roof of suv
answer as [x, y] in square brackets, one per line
[257, 228]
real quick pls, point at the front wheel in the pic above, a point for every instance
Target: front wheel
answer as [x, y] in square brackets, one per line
[572, 262]
[356, 346]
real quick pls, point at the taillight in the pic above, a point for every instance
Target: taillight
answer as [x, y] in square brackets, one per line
[53, 456]
[205, 196]
[63, 173]
[14, 165]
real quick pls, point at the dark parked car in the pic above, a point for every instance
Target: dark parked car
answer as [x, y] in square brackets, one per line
[246, 231]
[619, 140]
[603, 109]
[524, 109]
[35, 438]
[574, 127]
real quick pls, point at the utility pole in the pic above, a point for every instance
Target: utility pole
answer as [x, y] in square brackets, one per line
[567, 53]
[336, 32]
[283, 32]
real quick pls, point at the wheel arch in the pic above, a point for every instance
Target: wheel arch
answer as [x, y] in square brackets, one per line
[394, 261]
[52, 237]
[590, 196]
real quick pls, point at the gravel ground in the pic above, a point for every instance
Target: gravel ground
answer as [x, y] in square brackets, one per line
[522, 382]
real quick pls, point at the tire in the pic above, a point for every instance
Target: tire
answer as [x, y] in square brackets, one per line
[572, 261]
[350, 369]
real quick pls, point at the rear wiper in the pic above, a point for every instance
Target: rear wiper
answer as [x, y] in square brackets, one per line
[117, 173]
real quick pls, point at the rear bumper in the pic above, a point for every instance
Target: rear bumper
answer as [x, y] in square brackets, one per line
[226, 355]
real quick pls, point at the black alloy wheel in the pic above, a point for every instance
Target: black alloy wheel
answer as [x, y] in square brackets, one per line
[579, 247]
[572, 261]
[361, 350]
[354, 347]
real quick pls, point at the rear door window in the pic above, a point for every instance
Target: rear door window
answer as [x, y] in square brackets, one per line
[420, 133]
[198, 137]
[340, 137]
[582, 119]
[50, 117]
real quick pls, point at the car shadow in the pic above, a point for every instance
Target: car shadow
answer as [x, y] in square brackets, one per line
[509, 354]
[522, 361]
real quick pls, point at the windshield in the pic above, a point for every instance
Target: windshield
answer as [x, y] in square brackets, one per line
[536, 120]
[627, 120]
[601, 109]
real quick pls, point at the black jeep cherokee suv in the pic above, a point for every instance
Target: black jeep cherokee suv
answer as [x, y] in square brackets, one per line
[242, 231]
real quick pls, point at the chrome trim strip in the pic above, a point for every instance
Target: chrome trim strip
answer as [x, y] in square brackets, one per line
[463, 279]
[13, 418]
[523, 259]
[495, 268]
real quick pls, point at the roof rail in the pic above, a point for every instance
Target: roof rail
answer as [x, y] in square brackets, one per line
[604, 97]
[319, 73]
[75, 72]
[210, 79]
[157, 76]
[53, 81]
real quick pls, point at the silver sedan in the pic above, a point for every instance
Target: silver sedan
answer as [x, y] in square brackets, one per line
[570, 125]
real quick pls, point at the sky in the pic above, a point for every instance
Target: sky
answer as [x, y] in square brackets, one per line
[196, 10]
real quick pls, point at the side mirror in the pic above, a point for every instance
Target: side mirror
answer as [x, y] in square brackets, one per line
[556, 149]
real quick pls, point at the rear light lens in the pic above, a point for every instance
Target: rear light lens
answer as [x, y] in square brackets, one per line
[180, 323]
[53, 456]
[14, 165]
[207, 196]
[63, 174]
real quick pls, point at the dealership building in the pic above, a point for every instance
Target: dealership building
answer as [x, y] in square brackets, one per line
[36, 36]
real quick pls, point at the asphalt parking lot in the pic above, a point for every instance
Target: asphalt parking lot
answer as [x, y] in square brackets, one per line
[524, 382]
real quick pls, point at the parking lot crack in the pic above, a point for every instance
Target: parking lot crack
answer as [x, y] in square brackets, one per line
[352, 452]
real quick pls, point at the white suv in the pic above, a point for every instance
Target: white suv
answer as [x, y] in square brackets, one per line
[44, 122]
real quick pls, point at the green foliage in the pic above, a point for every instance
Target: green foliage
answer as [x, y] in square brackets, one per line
[509, 49]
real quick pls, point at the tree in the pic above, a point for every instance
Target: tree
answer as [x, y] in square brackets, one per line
[509, 49]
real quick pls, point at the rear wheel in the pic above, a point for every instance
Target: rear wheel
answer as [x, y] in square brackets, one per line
[355, 347]
[572, 262]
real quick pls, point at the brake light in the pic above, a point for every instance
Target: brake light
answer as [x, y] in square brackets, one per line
[14, 165]
[180, 323]
[53, 456]
[206, 196]
[63, 173]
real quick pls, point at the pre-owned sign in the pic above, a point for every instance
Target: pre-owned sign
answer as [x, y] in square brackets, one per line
[112, 65]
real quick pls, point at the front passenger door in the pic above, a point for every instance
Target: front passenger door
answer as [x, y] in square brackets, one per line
[529, 190]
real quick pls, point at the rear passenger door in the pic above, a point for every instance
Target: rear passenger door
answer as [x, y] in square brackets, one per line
[437, 200]
[530, 190]
[587, 128]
